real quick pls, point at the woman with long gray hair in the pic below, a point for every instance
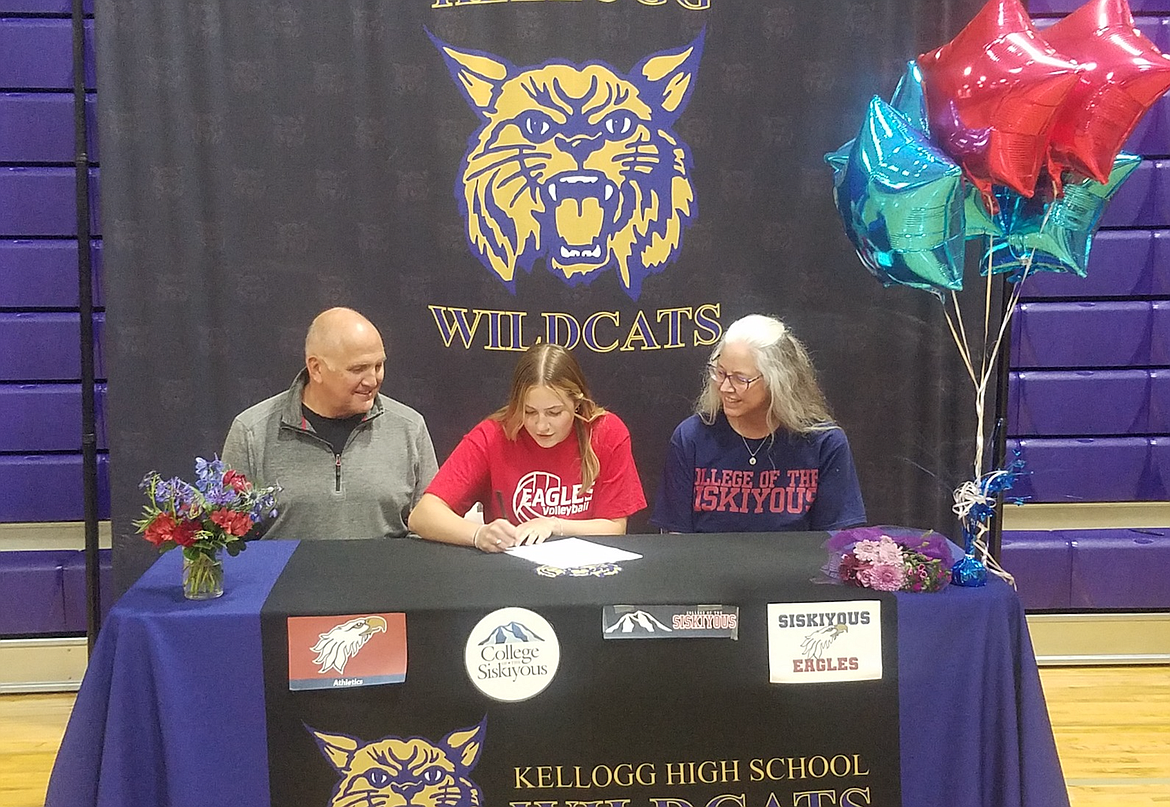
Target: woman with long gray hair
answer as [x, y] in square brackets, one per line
[762, 452]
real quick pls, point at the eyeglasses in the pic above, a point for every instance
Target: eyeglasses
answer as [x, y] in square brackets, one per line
[739, 383]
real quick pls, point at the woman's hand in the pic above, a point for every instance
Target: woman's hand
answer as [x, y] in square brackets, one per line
[536, 530]
[495, 537]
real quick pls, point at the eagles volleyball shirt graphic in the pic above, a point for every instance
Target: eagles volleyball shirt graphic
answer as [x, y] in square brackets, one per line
[577, 165]
[326, 652]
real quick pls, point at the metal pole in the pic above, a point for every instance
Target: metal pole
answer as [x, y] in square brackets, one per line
[85, 306]
[999, 449]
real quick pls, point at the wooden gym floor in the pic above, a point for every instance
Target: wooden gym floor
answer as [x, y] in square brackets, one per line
[1112, 728]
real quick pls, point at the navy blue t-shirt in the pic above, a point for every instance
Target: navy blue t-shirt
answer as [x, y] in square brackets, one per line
[798, 483]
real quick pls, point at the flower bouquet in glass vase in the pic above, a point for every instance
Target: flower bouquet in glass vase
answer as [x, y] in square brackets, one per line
[215, 513]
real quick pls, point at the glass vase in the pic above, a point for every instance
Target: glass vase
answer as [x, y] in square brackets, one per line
[202, 574]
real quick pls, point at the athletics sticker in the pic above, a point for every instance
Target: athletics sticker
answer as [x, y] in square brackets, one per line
[814, 642]
[670, 622]
[512, 654]
[327, 652]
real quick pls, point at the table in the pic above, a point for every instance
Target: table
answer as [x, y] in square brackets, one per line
[174, 709]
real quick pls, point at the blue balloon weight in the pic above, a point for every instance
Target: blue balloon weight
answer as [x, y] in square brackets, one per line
[901, 201]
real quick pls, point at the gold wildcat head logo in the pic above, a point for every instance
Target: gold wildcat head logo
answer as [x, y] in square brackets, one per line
[397, 771]
[576, 164]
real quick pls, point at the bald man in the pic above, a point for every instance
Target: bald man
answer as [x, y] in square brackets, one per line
[351, 463]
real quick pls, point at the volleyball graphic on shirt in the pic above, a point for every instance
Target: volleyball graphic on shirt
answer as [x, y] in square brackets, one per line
[543, 494]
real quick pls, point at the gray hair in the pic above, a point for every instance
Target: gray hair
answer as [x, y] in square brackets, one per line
[796, 402]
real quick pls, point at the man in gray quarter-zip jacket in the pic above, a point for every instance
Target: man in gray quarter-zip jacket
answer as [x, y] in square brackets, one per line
[350, 462]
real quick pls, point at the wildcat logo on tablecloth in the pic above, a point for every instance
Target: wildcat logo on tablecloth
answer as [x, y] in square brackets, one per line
[326, 652]
[512, 654]
[405, 770]
[670, 622]
[814, 642]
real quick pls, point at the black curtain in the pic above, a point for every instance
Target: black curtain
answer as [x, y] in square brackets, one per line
[263, 161]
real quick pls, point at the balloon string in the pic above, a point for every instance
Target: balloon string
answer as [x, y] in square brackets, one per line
[963, 353]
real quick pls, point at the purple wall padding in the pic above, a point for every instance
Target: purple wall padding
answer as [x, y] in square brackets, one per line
[1152, 133]
[42, 201]
[1120, 568]
[38, 127]
[1101, 469]
[73, 579]
[37, 54]
[1041, 562]
[46, 417]
[47, 487]
[1082, 334]
[1079, 402]
[43, 274]
[1144, 199]
[45, 346]
[32, 598]
[1122, 263]
[1065, 6]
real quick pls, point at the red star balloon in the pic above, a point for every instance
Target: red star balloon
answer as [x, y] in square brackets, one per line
[1124, 74]
[992, 94]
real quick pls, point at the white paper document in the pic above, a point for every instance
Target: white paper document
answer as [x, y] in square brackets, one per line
[571, 553]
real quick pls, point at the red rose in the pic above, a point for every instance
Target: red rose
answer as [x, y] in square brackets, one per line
[233, 523]
[184, 533]
[236, 481]
[159, 531]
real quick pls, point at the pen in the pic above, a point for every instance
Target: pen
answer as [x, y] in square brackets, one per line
[500, 503]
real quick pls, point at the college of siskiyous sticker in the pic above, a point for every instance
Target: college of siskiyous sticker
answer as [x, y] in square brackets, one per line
[512, 654]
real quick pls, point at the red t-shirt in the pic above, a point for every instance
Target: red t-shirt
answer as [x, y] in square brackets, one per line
[528, 481]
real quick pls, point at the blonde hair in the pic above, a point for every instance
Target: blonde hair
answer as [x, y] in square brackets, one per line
[795, 400]
[550, 365]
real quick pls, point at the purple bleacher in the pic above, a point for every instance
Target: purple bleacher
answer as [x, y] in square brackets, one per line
[1086, 469]
[1160, 330]
[1160, 404]
[73, 579]
[47, 487]
[1161, 284]
[1082, 334]
[1041, 562]
[43, 274]
[1160, 461]
[46, 417]
[1079, 402]
[43, 201]
[1065, 6]
[1122, 263]
[38, 127]
[1120, 568]
[32, 596]
[44, 346]
[1143, 200]
[42, 6]
[37, 54]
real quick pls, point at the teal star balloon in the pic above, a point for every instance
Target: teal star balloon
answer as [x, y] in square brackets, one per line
[901, 201]
[1056, 236]
[910, 99]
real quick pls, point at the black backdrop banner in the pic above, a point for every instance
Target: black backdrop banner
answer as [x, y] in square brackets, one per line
[623, 176]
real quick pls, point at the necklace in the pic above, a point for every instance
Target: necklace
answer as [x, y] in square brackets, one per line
[752, 454]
